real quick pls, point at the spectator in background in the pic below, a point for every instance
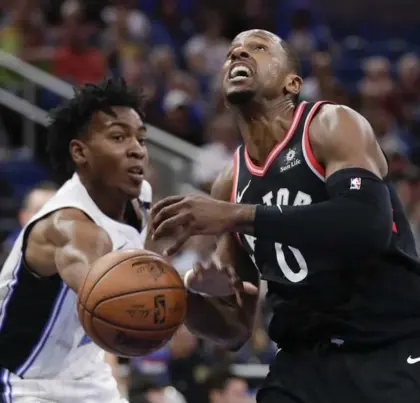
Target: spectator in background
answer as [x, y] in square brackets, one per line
[170, 26]
[125, 39]
[408, 69]
[205, 53]
[125, 13]
[305, 36]
[408, 91]
[75, 60]
[179, 117]
[391, 137]
[322, 84]
[222, 139]
[224, 387]
[376, 87]
[21, 34]
[139, 75]
[32, 203]
[163, 62]
[149, 392]
[181, 80]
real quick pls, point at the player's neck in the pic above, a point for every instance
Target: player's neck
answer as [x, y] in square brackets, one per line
[109, 202]
[262, 126]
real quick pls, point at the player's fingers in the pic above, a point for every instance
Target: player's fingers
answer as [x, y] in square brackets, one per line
[250, 288]
[169, 225]
[167, 201]
[179, 241]
[232, 276]
[238, 297]
[165, 213]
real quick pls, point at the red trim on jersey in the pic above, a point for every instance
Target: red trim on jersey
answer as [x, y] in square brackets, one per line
[310, 157]
[261, 171]
[235, 175]
[394, 227]
[394, 224]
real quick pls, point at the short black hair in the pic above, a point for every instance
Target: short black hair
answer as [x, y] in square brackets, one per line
[293, 62]
[70, 119]
[292, 58]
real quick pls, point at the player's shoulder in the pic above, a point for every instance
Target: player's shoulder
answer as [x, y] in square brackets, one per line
[339, 123]
[335, 117]
[58, 224]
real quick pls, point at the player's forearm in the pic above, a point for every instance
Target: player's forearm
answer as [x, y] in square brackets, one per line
[74, 275]
[221, 320]
[354, 221]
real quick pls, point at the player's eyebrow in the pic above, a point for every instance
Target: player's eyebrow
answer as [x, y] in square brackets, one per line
[139, 128]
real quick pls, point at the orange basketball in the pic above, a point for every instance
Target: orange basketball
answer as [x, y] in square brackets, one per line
[132, 302]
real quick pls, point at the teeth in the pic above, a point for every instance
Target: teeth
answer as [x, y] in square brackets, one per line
[241, 71]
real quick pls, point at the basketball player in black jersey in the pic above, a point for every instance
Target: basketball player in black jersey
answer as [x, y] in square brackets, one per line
[307, 198]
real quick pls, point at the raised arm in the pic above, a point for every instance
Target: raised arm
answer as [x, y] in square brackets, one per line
[67, 242]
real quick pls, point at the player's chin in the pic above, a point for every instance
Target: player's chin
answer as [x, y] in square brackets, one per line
[132, 188]
[239, 95]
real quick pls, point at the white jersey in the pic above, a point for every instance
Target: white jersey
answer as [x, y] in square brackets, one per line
[41, 337]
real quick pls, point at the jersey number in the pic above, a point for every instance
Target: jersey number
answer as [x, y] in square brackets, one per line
[292, 276]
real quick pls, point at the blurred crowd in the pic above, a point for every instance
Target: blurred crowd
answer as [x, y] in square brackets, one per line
[173, 50]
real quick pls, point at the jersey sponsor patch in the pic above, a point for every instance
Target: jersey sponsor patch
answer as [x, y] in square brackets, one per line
[355, 183]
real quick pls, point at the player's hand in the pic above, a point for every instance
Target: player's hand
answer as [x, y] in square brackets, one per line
[215, 279]
[181, 217]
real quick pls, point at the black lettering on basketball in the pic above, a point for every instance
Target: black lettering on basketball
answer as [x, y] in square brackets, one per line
[141, 268]
[156, 271]
[160, 309]
[138, 311]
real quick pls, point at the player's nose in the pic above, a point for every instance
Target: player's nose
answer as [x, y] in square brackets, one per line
[136, 150]
[239, 53]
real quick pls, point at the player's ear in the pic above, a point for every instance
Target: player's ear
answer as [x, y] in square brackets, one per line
[293, 84]
[78, 152]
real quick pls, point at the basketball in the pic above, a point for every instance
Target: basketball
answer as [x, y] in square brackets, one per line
[132, 302]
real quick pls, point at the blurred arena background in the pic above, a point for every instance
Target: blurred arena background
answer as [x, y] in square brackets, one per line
[362, 53]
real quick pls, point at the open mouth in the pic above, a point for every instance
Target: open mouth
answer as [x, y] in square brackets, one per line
[136, 172]
[239, 72]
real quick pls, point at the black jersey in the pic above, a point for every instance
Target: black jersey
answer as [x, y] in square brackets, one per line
[317, 295]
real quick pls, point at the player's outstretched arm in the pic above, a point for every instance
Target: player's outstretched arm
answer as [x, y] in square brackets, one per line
[356, 220]
[225, 317]
[67, 242]
[229, 318]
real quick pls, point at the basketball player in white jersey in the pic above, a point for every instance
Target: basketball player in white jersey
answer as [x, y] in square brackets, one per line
[97, 142]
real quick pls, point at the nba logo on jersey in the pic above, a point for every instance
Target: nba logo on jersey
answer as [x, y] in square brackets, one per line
[355, 183]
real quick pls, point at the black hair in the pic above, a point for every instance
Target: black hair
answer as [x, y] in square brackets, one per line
[70, 120]
[294, 64]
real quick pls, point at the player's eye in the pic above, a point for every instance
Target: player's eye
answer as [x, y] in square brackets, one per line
[118, 137]
[141, 141]
[260, 47]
